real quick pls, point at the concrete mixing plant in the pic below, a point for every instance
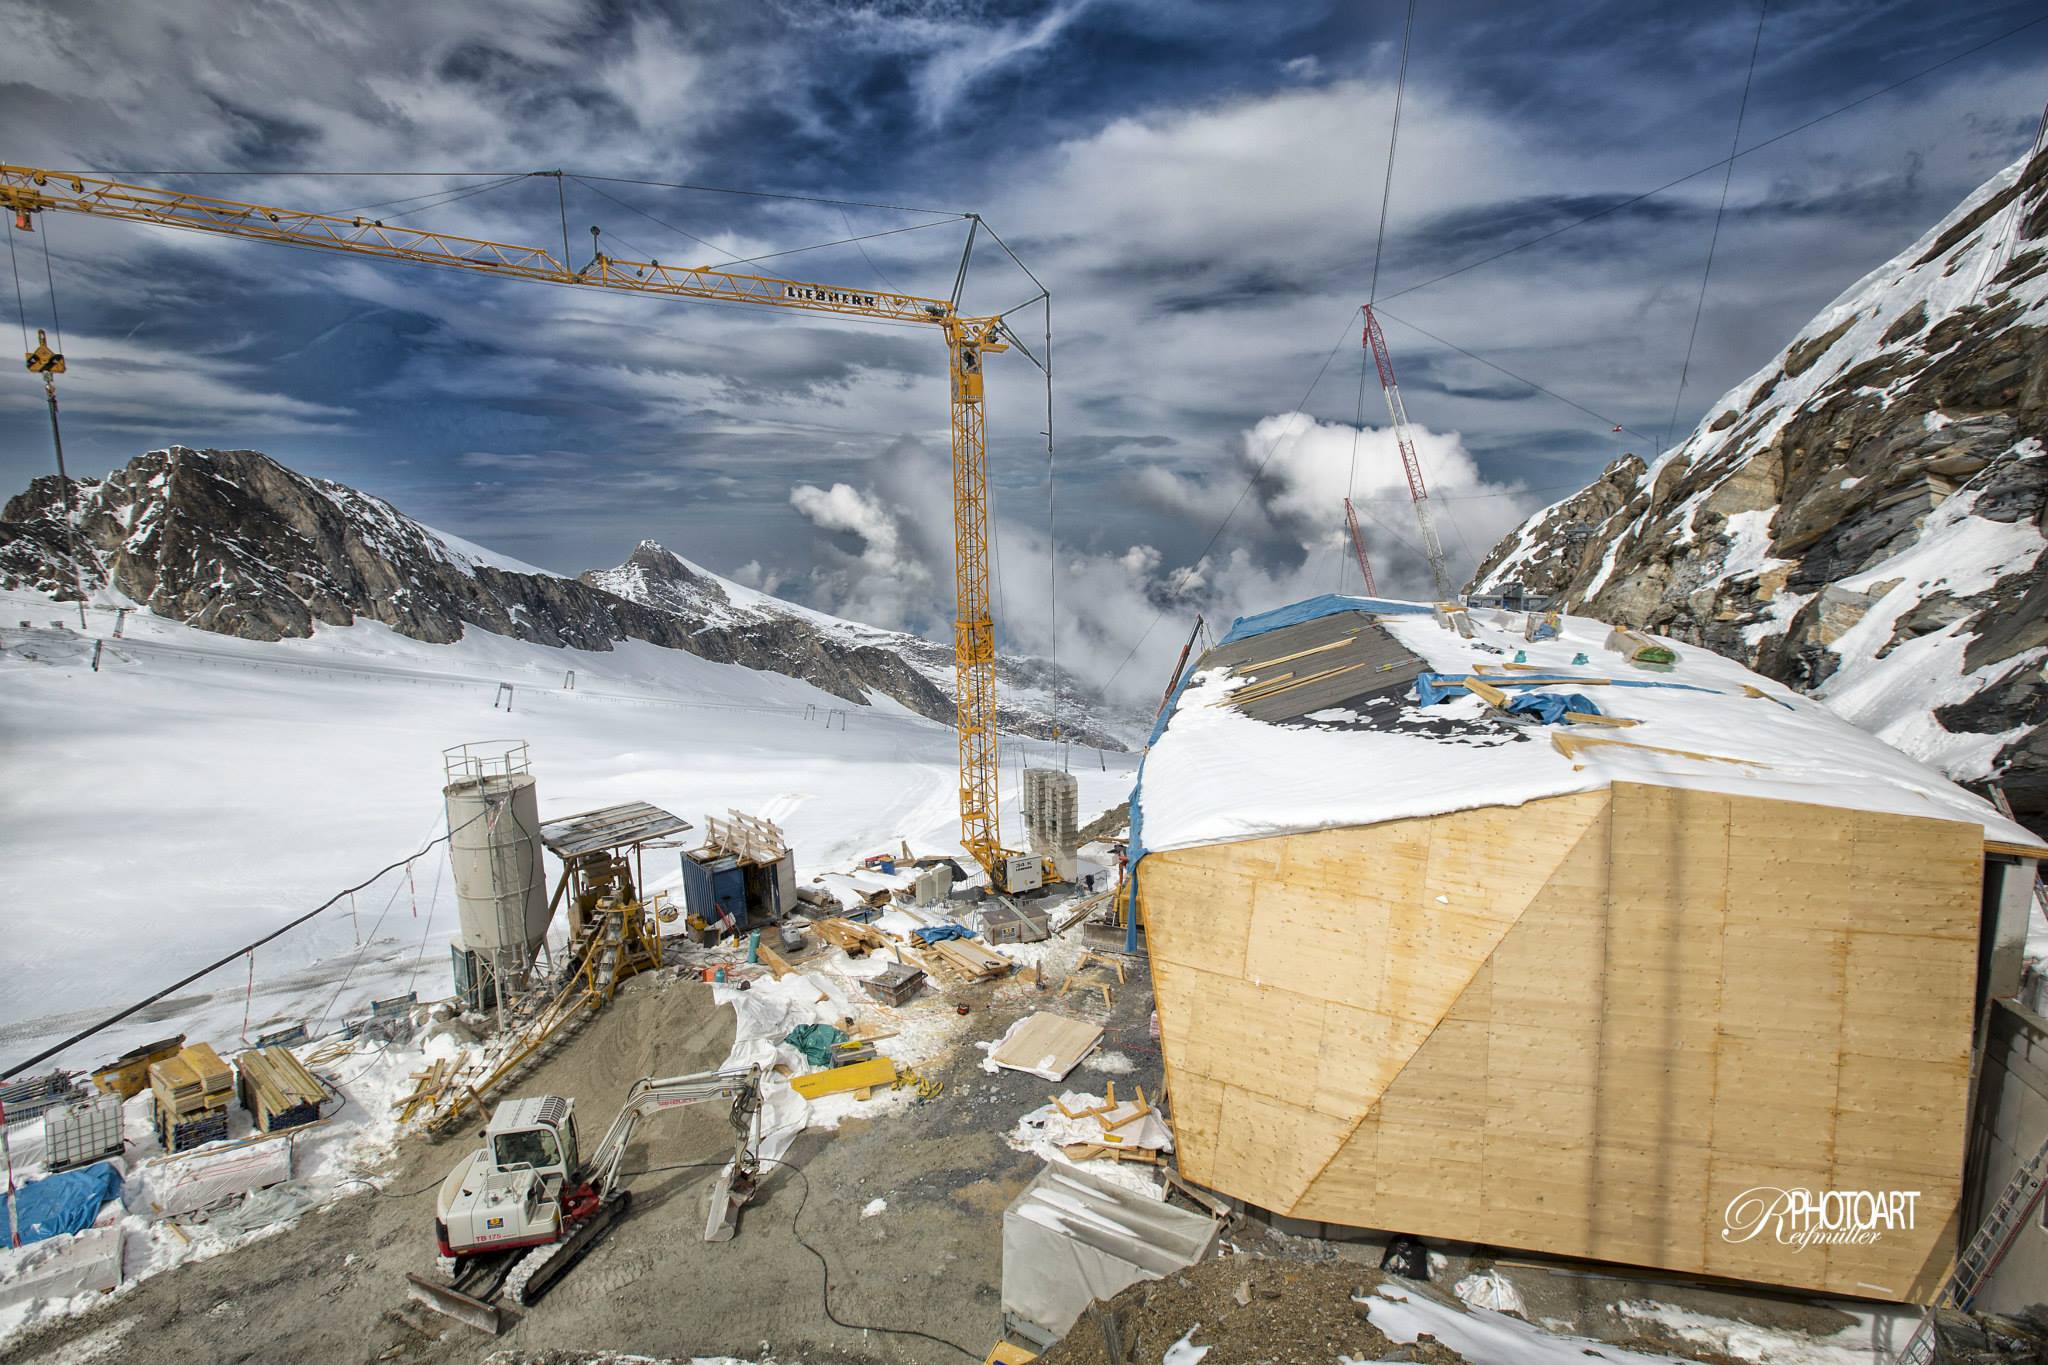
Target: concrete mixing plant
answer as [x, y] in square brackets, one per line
[494, 848]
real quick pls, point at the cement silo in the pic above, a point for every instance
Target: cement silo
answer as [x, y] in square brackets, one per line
[494, 849]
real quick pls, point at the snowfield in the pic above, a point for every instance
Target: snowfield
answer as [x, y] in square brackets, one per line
[199, 790]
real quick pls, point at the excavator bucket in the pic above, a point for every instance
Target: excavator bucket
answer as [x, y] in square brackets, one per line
[729, 1194]
[453, 1303]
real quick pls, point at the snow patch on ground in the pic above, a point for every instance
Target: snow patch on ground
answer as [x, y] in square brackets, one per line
[1853, 1345]
[1484, 1337]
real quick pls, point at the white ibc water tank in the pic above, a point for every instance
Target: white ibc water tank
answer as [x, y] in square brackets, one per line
[494, 850]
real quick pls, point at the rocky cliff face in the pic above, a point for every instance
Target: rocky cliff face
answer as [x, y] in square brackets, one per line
[1863, 517]
[232, 541]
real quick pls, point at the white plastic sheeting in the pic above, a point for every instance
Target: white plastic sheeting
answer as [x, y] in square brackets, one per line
[204, 1179]
[1070, 1239]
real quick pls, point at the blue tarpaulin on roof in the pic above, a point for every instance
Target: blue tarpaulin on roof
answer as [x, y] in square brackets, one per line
[1329, 604]
[1243, 628]
[63, 1203]
[1549, 707]
[1431, 688]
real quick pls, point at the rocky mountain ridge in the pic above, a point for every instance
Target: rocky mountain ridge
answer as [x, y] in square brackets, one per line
[234, 542]
[1863, 518]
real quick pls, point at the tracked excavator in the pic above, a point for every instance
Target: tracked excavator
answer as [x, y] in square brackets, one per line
[515, 1214]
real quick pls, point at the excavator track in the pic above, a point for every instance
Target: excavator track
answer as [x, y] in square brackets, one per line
[538, 1270]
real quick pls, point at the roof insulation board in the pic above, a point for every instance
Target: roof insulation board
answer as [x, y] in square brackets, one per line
[634, 822]
[1317, 664]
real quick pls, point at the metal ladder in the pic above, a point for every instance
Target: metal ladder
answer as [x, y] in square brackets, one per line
[1987, 1248]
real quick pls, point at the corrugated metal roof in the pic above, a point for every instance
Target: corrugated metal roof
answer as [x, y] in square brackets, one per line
[1318, 664]
[634, 822]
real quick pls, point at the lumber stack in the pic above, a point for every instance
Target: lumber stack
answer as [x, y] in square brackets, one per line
[277, 1090]
[189, 1097]
[855, 940]
[963, 961]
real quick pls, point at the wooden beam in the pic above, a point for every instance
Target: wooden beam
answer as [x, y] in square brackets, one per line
[1571, 745]
[877, 1071]
[1243, 669]
[1595, 718]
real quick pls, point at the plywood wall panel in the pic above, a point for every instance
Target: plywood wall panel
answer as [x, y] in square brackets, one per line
[1209, 924]
[1676, 996]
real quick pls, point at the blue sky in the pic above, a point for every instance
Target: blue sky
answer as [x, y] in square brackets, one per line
[1198, 183]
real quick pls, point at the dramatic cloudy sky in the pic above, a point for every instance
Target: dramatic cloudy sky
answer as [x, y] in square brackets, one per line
[1198, 183]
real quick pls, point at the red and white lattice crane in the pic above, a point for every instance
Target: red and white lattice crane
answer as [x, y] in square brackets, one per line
[1425, 518]
[1372, 587]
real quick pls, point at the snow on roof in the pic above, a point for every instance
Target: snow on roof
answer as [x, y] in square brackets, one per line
[1216, 773]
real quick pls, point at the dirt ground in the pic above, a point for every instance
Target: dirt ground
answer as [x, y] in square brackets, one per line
[331, 1287]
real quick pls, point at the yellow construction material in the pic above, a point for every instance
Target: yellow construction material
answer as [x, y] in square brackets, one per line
[875, 1072]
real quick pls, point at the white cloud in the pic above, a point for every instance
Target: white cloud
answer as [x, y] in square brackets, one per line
[967, 52]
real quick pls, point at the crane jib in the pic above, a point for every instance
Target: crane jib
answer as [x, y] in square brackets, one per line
[26, 191]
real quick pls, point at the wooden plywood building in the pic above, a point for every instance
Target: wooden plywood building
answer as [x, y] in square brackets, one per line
[1585, 1022]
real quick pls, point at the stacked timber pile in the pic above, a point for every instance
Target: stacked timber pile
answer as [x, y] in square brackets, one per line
[189, 1097]
[277, 1090]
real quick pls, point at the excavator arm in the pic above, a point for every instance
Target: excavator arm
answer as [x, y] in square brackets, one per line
[26, 191]
[650, 1096]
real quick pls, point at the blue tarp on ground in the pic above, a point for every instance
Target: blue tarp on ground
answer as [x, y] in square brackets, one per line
[63, 1203]
[939, 933]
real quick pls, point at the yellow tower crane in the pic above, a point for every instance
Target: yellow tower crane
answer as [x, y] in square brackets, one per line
[26, 191]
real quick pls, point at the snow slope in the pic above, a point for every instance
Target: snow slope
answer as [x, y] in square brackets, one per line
[200, 789]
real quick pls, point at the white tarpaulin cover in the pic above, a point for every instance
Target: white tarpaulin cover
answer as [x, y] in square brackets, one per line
[1070, 1239]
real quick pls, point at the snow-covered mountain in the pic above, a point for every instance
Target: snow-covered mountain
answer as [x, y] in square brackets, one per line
[231, 541]
[1027, 689]
[1863, 517]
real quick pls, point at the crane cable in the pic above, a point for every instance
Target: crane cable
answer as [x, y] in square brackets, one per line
[1258, 471]
[1714, 238]
[1393, 141]
[50, 396]
[1379, 248]
[1755, 147]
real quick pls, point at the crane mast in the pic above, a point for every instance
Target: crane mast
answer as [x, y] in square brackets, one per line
[1425, 516]
[1372, 587]
[26, 191]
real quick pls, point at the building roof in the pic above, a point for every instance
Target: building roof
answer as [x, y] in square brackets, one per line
[1312, 717]
[635, 822]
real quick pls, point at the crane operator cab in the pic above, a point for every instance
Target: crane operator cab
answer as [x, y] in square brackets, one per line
[516, 1189]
